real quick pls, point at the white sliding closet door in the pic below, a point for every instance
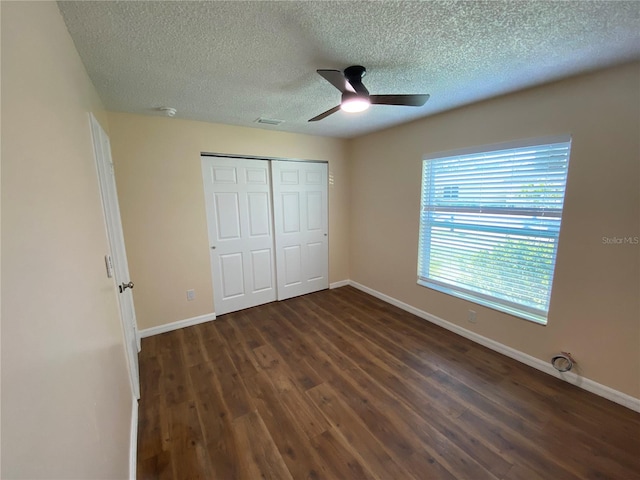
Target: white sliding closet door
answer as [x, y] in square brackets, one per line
[300, 224]
[238, 203]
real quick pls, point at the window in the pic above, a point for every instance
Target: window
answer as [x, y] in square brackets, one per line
[490, 223]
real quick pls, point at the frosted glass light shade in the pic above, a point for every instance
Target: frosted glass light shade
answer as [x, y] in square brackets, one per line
[355, 104]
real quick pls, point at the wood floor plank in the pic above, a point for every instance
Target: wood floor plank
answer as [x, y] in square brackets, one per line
[537, 391]
[238, 348]
[290, 440]
[157, 467]
[149, 427]
[292, 352]
[186, 443]
[524, 442]
[412, 384]
[340, 385]
[399, 427]
[247, 328]
[358, 438]
[261, 457]
[221, 444]
[173, 380]
[385, 340]
[306, 415]
[516, 448]
[522, 472]
[423, 402]
[442, 351]
[222, 377]
[231, 386]
[380, 425]
[150, 372]
[190, 345]
[340, 459]
[394, 391]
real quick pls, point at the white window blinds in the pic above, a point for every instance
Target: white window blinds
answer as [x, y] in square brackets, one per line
[490, 223]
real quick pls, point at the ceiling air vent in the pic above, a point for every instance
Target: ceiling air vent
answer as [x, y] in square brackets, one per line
[268, 121]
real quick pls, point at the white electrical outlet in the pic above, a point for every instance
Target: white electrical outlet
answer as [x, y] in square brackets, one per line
[472, 317]
[191, 295]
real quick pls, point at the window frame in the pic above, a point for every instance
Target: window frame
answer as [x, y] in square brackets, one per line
[539, 316]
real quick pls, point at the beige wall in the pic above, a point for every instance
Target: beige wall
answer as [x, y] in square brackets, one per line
[66, 398]
[595, 311]
[159, 177]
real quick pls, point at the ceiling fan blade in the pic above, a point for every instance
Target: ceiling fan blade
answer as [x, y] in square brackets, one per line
[404, 100]
[325, 114]
[337, 79]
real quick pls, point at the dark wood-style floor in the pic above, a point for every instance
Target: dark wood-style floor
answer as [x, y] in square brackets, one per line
[340, 385]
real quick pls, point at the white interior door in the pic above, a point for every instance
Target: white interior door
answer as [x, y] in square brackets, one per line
[238, 203]
[301, 226]
[117, 260]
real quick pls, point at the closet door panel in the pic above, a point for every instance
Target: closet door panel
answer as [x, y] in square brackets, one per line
[301, 227]
[239, 218]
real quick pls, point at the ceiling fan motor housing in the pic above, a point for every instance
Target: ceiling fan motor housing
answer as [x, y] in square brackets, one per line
[354, 75]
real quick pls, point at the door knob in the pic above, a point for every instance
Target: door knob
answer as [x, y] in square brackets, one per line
[124, 286]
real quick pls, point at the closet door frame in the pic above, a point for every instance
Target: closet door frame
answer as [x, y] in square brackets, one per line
[315, 232]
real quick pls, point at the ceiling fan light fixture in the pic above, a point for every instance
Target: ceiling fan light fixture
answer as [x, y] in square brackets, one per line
[355, 103]
[355, 96]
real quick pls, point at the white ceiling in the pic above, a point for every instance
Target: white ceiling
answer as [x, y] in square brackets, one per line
[234, 61]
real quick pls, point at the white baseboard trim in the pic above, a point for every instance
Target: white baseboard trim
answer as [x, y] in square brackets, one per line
[582, 382]
[341, 283]
[133, 441]
[168, 327]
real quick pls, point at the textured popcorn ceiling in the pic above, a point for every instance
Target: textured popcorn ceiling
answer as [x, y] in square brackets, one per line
[232, 62]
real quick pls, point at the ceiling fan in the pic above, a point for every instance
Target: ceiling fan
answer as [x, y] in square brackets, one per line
[355, 96]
